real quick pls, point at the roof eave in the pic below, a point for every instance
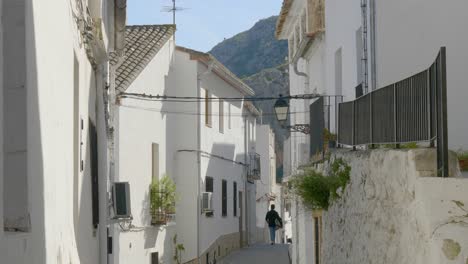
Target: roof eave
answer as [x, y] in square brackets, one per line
[220, 70]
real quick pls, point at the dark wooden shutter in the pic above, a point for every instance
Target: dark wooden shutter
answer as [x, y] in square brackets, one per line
[94, 172]
[224, 198]
[155, 258]
[234, 194]
[209, 184]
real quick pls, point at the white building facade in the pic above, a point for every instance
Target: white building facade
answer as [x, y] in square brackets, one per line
[268, 191]
[141, 142]
[208, 152]
[354, 47]
[53, 129]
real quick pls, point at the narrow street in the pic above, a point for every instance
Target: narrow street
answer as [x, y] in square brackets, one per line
[258, 254]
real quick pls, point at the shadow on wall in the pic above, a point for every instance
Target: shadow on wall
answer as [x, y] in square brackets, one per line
[16, 248]
[35, 158]
[86, 236]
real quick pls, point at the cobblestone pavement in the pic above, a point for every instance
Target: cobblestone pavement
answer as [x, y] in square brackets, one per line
[259, 254]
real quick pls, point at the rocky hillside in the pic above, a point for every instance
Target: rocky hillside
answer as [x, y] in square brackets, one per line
[256, 56]
[253, 50]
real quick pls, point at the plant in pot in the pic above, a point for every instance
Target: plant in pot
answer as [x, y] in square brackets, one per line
[329, 138]
[463, 160]
[162, 199]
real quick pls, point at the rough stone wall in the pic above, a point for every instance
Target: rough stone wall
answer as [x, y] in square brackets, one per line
[394, 212]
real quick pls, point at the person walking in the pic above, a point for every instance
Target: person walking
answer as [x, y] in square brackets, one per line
[274, 222]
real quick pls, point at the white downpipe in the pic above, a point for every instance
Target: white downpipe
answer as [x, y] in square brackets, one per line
[303, 74]
[199, 80]
[373, 45]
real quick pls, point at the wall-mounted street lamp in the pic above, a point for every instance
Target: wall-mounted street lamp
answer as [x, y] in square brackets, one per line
[281, 109]
[282, 113]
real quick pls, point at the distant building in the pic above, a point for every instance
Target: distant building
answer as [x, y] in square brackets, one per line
[211, 154]
[267, 191]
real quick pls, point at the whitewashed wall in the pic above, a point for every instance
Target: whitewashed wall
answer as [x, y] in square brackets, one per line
[266, 149]
[342, 21]
[229, 144]
[142, 123]
[409, 44]
[183, 164]
[59, 195]
[396, 211]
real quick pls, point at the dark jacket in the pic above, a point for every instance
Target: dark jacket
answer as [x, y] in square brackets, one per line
[271, 218]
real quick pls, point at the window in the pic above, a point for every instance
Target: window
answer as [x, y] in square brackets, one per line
[208, 108]
[154, 258]
[155, 161]
[221, 116]
[224, 198]
[209, 184]
[234, 194]
[229, 115]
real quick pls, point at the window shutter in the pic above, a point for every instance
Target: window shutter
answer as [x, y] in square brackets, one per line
[94, 172]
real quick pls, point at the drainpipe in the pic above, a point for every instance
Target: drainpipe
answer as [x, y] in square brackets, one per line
[199, 80]
[303, 74]
[373, 44]
[246, 144]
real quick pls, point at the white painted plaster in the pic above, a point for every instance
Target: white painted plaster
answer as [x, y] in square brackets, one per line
[142, 123]
[424, 27]
[182, 155]
[390, 213]
[59, 196]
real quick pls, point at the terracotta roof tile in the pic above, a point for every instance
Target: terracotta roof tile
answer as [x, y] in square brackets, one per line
[142, 43]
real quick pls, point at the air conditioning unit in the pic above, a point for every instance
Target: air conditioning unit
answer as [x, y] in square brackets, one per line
[207, 202]
[121, 197]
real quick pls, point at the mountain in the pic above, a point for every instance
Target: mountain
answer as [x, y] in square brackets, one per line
[253, 50]
[258, 58]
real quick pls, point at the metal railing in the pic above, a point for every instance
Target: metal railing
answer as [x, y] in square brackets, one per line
[411, 110]
[254, 168]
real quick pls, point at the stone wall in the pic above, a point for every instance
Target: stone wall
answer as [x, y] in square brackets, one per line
[395, 211]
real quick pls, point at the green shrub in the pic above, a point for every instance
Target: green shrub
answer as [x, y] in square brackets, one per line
[163, 195]
[462, 155]
[319, 191]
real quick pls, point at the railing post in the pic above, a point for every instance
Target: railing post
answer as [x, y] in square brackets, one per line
[429, 107]
[442, 140]
[354, 125]
[395, 117]
[371, 119]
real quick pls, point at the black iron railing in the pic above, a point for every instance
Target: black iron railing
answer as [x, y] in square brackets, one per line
[411, 110]
[254, 168]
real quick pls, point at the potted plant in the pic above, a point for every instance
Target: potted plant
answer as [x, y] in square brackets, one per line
[162, 200]
[329, 138]
[463, 160]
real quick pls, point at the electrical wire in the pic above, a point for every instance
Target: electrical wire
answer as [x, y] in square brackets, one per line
[169, 98]
[196, 114]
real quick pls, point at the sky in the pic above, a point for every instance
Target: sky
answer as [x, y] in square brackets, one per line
[203, 23]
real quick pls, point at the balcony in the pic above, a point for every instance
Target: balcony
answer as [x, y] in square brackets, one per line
[253, 170]
[308, 26]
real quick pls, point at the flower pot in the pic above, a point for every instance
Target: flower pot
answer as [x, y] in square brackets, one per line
[159, 218]
[331, 144]
[463, 164]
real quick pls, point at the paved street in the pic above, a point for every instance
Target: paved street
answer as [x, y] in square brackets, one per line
[259, 254]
